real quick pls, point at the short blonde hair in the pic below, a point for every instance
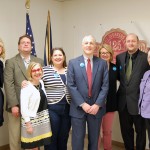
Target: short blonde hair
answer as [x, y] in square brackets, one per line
[30, 67]
[2, 55]
[109, 49]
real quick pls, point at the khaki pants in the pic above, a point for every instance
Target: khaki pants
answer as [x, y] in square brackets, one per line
[14, 132]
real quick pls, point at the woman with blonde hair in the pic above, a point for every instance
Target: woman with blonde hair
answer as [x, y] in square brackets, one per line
[2, 50]
[106, 53]
[2, 57]
[35, 120]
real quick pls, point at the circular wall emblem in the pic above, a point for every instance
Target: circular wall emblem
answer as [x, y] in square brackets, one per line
[116, 39]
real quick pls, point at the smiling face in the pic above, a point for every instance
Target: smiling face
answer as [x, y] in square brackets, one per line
[104, 54]
[24, 46]
[88, 45]
[58, 58]
[132, 43]
[35, 72]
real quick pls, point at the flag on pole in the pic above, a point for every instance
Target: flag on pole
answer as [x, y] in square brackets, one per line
[48, 41]
[29, 33]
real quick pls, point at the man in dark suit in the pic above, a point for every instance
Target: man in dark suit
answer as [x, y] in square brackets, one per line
[88, 100]
[131, 65]
[14, 74]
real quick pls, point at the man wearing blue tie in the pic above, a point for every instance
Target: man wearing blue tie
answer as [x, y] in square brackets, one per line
[87, 80]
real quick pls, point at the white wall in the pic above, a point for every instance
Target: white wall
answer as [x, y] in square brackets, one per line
[82, 17]
[70, 21]
[13, 20]
[12, 26]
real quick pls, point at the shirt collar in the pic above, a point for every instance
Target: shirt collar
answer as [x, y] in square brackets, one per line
[86, 58]
[134, 55]
[25, 58]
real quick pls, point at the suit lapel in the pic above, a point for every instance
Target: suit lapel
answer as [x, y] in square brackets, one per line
[83, 68]
[123, 63]
[138, 59]
[95, 67]
[21, 65]
[123, 66]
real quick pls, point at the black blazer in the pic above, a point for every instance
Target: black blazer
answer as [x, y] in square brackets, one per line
[111, 104]
[1, 94]
[128, 92]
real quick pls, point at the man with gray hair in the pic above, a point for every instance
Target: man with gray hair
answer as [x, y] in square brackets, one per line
[87, 80]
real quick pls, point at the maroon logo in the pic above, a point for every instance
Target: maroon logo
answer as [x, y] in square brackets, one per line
[116, 39]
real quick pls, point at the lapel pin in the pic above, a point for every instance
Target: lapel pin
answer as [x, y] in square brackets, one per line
[56, 75]
[82, 65]
[114, 68]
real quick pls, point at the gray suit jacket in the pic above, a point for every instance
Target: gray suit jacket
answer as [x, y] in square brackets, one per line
[128, 92]
[14, 74]
[78, 85]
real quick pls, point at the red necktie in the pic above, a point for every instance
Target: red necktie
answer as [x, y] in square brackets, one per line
[89, 76]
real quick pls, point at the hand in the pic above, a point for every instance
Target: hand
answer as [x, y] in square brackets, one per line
[29, 129]
[15, 111]
[86, 107]
[24, 83]
[94, 109]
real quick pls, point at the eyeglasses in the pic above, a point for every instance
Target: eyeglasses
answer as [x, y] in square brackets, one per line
[23, 43]
[35, 70]
[104, 53]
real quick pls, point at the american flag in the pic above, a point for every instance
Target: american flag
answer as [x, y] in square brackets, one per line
[48, 41]
[29, 33]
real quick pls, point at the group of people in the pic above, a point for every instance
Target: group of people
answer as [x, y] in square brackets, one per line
[44, 102]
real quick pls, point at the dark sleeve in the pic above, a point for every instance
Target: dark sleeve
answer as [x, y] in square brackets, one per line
[118, 68]
[1, 74]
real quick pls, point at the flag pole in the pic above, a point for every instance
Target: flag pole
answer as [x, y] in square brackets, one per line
[48, 25]
[27, 5]
[48, 41]
[28, 28]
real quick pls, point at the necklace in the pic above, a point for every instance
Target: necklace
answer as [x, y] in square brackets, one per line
[59, 70]
[37, 87]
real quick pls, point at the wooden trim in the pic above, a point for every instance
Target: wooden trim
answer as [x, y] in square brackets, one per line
[116, 143]
[4, 147]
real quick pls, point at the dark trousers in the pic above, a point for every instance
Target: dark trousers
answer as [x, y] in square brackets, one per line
[60, 124]
[126, 123]
[79, 130]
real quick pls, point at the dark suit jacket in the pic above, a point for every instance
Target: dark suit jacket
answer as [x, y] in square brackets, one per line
[14, 73]
[128, 92]
[111, 104]
[1, 94]
[78, 85]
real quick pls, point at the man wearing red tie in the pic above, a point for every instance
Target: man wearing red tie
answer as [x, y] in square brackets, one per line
[87, 80]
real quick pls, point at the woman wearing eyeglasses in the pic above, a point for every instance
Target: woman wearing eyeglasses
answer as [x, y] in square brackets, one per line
[106, 53]
[35, 121]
